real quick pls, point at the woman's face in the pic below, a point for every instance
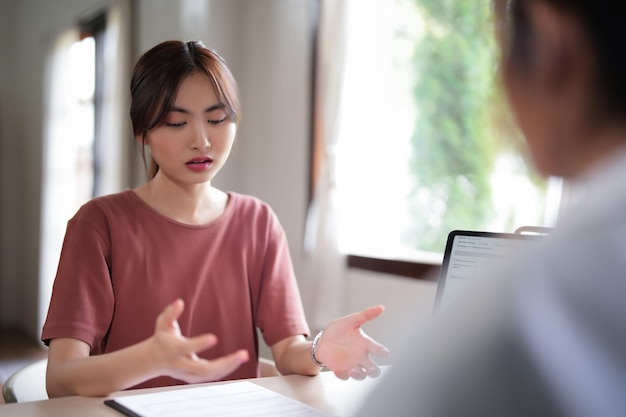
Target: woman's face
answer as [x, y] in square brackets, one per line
[196, 136]
[536, 124]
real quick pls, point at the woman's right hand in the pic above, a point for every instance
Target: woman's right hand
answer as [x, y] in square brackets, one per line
[72, 370]
[176, 355]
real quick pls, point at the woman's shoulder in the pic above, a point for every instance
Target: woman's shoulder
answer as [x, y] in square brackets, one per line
[246, 202]
[104, 213]
[123, 201]
[250, 207]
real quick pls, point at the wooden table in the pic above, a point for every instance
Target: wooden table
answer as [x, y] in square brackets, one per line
[324, 391]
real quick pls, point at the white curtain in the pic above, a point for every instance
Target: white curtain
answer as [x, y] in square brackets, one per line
[324, 264]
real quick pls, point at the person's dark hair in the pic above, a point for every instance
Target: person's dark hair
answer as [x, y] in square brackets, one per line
[157, 76]
[603, 23]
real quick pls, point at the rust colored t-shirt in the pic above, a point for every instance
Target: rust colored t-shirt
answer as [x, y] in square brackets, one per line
[122, 262]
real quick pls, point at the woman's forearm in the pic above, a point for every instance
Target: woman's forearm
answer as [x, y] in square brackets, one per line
[296, 359]
[72, 370]
[101, 375]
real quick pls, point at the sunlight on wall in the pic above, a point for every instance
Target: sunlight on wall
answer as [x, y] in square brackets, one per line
[374, 139]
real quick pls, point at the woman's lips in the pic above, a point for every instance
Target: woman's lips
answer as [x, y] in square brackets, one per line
[199, 164]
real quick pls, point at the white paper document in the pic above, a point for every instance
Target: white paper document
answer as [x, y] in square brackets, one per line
[236, 399]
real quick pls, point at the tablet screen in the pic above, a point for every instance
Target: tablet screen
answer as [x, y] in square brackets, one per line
[471, 255]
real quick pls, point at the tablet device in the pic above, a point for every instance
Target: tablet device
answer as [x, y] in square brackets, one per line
[471, 255]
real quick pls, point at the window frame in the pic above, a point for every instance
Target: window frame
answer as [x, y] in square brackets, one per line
[408, 269]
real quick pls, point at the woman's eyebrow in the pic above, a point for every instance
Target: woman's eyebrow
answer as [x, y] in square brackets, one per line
[209, 109]
[217, 106]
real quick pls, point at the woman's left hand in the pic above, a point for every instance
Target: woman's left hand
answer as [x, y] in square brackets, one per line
[345, 349]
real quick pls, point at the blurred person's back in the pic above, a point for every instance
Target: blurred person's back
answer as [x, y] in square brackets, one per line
[546, 337]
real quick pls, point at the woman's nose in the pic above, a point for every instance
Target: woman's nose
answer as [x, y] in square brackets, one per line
[200, 139]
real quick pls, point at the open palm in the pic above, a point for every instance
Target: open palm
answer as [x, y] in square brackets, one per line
[345, 348]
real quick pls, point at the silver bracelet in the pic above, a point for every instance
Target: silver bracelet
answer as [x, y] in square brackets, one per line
[314, 346]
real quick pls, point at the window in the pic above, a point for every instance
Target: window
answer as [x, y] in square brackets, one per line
[426, 144]
[68, 179]
[86, 127]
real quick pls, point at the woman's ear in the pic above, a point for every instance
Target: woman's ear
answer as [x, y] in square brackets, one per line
[561, 59]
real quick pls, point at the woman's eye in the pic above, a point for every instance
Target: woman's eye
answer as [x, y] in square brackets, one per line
[218, 121]
[171, 124]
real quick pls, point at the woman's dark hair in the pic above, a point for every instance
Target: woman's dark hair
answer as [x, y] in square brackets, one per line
[603, 23]
[157, 76]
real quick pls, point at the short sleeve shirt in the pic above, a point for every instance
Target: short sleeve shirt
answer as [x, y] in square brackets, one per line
[122, 262]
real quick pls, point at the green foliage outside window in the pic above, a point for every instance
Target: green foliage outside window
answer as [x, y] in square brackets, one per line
[457, 107]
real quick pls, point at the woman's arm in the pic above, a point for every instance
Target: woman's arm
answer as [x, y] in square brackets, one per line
[71, 371]
[292, 355]
[343, 348]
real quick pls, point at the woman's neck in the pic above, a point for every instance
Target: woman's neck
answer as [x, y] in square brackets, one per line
[193, 204]
[599, 148]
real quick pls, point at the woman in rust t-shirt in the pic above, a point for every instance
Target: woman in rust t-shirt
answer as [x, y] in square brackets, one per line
[168, 283]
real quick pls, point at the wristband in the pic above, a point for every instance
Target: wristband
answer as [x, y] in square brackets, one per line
[314, 346]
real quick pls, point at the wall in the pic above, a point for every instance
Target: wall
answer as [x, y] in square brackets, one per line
[268, 49]
[267, 44]
[9, 150]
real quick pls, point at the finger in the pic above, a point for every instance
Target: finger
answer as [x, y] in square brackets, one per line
[171, 313]
[369, 314]
[357, 373]
[200, 343]
[219, 368]
[370, 368]
[343, 375]
[377, 349]
[227, 364]
[373, 372]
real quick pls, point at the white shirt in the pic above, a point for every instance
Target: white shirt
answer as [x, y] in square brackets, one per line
[545, 337]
